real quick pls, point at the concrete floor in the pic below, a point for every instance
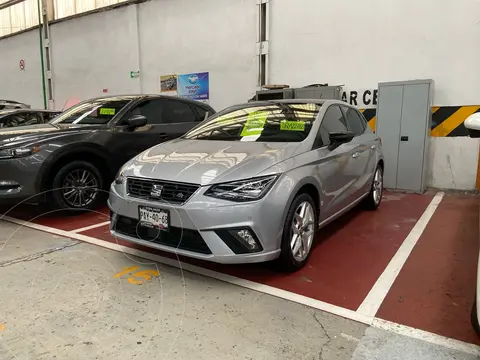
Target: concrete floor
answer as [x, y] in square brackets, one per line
[63, 299]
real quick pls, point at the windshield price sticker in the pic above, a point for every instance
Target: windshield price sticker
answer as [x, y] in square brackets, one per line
[255, 123]
[292, 125]
[107, 111]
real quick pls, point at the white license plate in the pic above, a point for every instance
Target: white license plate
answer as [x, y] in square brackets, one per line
[154, 218]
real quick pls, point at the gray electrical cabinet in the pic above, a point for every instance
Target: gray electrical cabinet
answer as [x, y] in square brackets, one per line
[404, 116]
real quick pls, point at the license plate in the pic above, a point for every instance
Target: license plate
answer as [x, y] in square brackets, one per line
[154, 218]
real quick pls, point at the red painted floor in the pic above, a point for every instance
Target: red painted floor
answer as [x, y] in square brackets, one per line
[435, 289]
[350, 254]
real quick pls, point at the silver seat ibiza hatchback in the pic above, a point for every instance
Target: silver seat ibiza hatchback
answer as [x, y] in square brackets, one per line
[252, 183]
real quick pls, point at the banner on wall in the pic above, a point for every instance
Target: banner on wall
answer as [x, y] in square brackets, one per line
[168, 83]
[194, 86]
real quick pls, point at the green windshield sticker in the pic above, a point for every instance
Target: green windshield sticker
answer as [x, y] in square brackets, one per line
[292, 125]
[255, 123]
[107, 111]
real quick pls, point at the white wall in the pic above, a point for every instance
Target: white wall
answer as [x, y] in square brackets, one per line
[21, 85]
[453, 163]
[187, 36]
[95, 52]
[359, 43]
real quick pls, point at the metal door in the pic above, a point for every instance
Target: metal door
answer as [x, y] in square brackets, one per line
[412, 137]
[389, 116]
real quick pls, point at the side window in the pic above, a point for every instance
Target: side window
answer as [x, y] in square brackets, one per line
[22, 119]
[333, 121]
[354, 121]
[151, 109]
[49, 116]
[177, 112]
[201, 113]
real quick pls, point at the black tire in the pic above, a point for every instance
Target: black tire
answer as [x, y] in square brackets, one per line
[474, 318]
[369, 202]
[57, 195]
[286, 261]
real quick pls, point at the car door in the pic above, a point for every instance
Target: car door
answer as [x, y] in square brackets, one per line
[166, 119]
[364, 151]
[336, 168]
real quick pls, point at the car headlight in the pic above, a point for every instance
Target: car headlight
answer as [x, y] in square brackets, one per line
[19, 152]
[244, 190]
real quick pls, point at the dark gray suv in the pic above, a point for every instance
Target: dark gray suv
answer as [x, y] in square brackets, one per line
[70, 160]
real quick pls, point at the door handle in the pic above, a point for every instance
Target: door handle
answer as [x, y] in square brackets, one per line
[356, 155]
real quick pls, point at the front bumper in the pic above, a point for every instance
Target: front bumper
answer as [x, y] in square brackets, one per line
[202, 223]
[18, 180]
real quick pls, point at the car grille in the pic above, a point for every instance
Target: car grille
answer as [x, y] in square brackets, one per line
[178, 238]
[170, 191]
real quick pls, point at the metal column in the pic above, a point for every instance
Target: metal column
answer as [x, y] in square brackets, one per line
[46, 15]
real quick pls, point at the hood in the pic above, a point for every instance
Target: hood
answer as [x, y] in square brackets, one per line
[35, 134]
[207, 162]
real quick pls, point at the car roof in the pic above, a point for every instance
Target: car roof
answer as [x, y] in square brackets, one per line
[150, 96]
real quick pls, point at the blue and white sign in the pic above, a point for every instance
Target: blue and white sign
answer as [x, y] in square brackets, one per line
[193, 86]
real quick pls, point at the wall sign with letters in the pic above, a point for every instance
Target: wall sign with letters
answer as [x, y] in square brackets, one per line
[367, 98]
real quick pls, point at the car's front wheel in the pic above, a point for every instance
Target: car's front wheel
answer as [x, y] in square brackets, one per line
[298, 233]
[78, 185]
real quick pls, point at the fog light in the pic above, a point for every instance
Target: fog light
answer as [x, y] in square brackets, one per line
[119, 179]
[246, 237]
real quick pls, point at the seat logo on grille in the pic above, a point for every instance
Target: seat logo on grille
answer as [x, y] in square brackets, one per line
[156, 191]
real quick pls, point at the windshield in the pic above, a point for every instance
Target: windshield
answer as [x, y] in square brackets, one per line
[96, 112]
[272, 122]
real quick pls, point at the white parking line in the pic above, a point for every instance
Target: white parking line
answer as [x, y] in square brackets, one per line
[379, 291]
[316, 304]
[90, 227]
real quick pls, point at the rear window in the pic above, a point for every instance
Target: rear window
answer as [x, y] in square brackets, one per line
[272, 122]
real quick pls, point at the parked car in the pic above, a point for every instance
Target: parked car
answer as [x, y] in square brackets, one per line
[23, 117]
[473, 127]
[250, 184]
[9, 104]
[77, 154]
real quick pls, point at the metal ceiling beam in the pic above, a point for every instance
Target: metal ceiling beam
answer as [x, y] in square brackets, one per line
[10, 3]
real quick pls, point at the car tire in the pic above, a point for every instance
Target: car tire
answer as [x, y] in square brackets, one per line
[88, 195]
[373, 199]
[288, 260]
[474, 318]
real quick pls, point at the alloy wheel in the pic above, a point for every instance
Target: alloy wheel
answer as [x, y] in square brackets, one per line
[377, 186]
[302, 231]
[80, 188]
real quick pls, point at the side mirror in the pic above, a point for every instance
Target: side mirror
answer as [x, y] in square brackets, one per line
[136, 121]
[473, 125]
[340, 137]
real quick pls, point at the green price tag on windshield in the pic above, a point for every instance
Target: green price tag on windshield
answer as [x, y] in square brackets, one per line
[292, 125]
[107, 111]
[255, 123]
